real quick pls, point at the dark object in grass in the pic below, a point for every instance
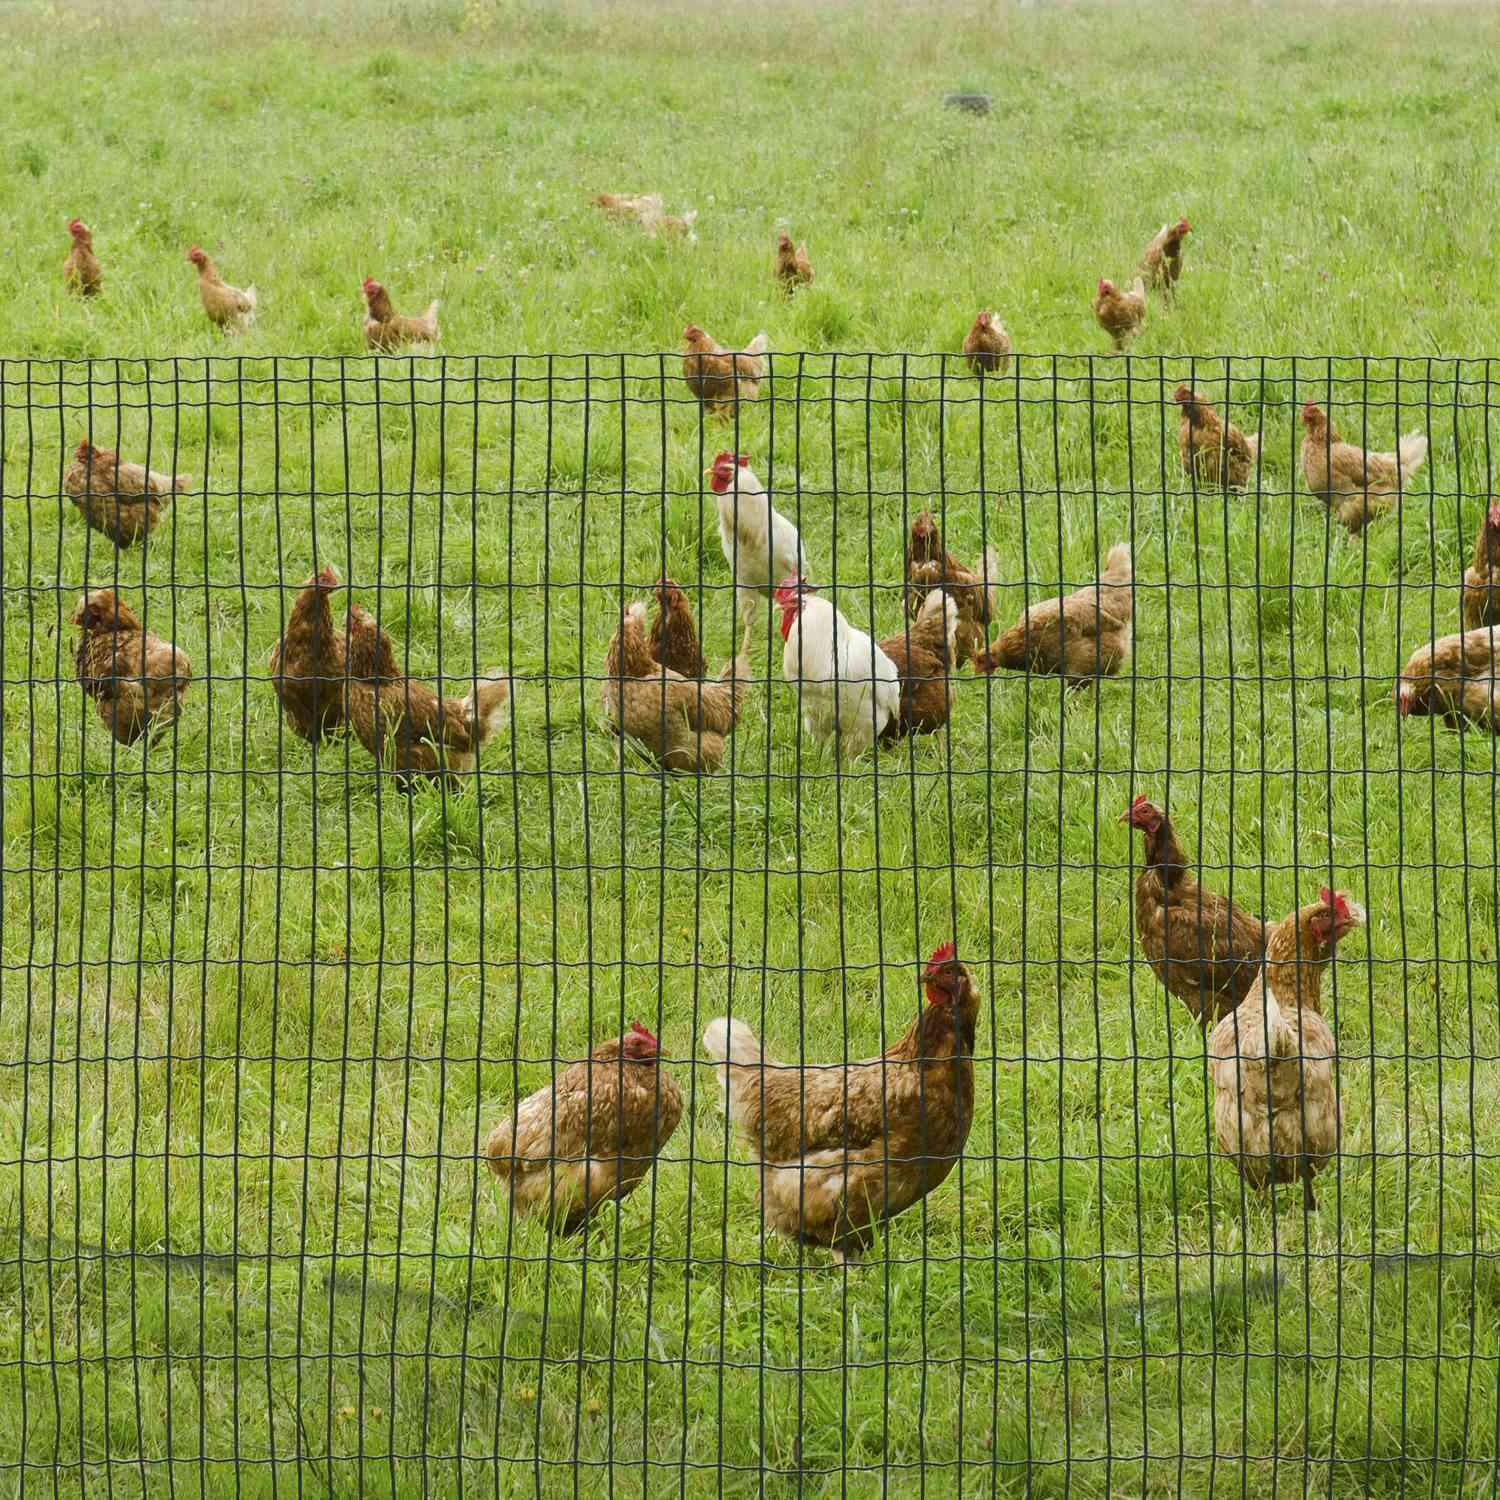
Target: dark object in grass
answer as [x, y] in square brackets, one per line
[972, 104]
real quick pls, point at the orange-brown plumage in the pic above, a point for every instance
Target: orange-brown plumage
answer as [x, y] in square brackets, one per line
[307, 663]
[974, 590]
[1212, 449]
[124, 501]
[1355, 485]
[923, 654]
[793, 269]
[136, 679]
[1120, 314]
[1161, 263]
[82, 272]
[386, 329]
[1456, 677]
[228, 308]
[718, 377]
[987, 346]
[674, 634]
[1482, 577]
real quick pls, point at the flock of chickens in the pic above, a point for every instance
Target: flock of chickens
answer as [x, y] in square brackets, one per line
[840, 1148]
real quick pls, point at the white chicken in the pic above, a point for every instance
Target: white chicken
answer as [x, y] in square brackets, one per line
[760, 545]
[850, 689]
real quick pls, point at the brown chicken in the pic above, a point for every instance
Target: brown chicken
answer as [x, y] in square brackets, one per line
[844, 1148]
[1203, 948]
[671, 224]
[1120, 314]
[974, 590]
[386, 329]
[228, 308]
[1211, 448]
[124, 501]
[636, 206]
[681, 722]
[307, 663]
[1081, 636]
[1356, 486]
[1482, 577]
[137, 680]
[82, 272]
[924, 656]
[715, 375]
[1161, 264]
[793, 268]
[1276, 1103]
[674, 635]
[591, 1136]
[404, 723]
[1455, 677]
[987, 346]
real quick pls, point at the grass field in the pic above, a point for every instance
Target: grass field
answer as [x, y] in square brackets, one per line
[259, 1008]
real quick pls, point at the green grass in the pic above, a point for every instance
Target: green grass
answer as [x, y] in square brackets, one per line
[262, 1009]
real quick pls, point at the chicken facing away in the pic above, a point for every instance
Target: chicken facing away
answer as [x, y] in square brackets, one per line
[975, 590]
[681, 722]
[124, 501]
[850, 690]
[307, 663]
[1482, 576]
[840, 1149]
[1356, 486]
[1276, 1104]
[136, 679]
[793, 269]
[1120, 314]
[228, 308]
[923, 654]
[674, 632]
[386, 329]
[1454, 677]
[82, 272]
[404, 723]
[1212, 449]
[987, 346]
[591, 1136]
[719, 377]
[1161, 264]
[1203, 948]
[760, 545]
[1082, 636]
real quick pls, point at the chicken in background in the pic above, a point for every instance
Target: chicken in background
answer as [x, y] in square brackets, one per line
[136, 679]
[386, 329]
[82, 272]
[678, 225]
[923, 656]
[124, 501]
[793, 268]
[591, 1136]
[1273, 1058]
[634, 206]
[228, 308]
[681, 722]
[404, 723]
[760, 545]
[1211, 448]
[974, 590]
[1203, 948]
[307, 663]
[1455, 678]
[1161, 264]
[1082, 636]
[674, 633]
[1356, 486]
[1120, 314]
[843, 1148]
[719, 378]
[987, 346]
[1482, 576]
[849, 689]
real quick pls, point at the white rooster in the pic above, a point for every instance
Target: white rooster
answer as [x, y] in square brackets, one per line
[760, 545]
[850, 689]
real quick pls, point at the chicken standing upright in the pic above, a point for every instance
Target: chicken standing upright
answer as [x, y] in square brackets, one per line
[987, 346]
[1456, 677]
[136, 679]
[124, 501]
[718, 377]
[923, 655]
[842, 1148]
[1203, 948]
[1482, 577]
[1161, 264]
[974, 590]
[228, 308]
[674, 634]
[793, 269]
[591, 1136]
[82, 272]
[386, 329]
[1356, 486]
[1210, 447]
[1120, 314]
[849, 689]
[307, 664]
[1276, 1103]
[760, 545]
[1082, 636]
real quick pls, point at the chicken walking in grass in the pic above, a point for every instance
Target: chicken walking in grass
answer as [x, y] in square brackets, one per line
[386, 330]
[307, 664]
[123, 501]
[1213, 451]
[987, 346]
[82, 272]
[719, 377]
[229, 309]
[1161, 264]
[136, 679]
[923, 655]
[760, 545]
[1482, 576]
[1120, 314]
[1455, 678]
[793, 269]
[634, 207]
[1356, 486]
[975, 590]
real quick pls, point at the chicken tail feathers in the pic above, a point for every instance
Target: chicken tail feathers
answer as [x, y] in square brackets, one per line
[487, 706]
[1412, 451]
[1253, 444]
[1117, 566]
[731, 1044]
[760, 344]
[1281, 1040]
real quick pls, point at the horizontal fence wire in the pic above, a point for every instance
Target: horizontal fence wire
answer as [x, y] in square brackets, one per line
[264, 999]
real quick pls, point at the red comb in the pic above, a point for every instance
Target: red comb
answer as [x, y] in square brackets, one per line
[368, 282]
[1337, 902]
[941, 956]
[722, 460]
[74, 225]
[1494, 515]
[637, 1029]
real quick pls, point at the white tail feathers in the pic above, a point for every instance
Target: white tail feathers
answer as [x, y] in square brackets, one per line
[488, 705]
[1413, 451]
[1117, 566]
[250, 298]
[1138, 287]
[1280, 1039]
[730, 1042]
[1253, 444]
[760, 344]
[180, 482]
